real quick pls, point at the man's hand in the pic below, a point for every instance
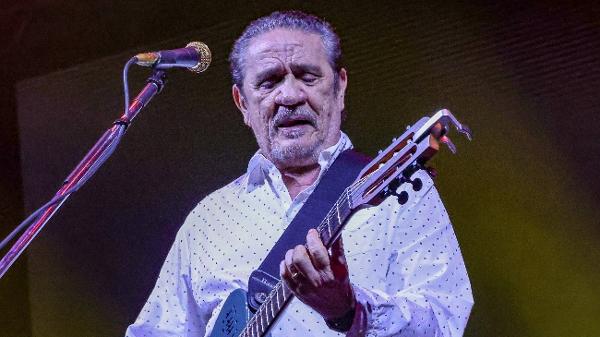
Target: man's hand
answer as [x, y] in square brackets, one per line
[318, 279]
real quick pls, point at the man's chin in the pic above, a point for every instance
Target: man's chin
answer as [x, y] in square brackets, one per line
[295, 153]
[297, 141]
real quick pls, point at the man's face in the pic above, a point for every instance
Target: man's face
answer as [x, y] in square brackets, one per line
[288, 97]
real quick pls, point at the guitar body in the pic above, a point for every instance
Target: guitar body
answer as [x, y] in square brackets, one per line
[233, 317]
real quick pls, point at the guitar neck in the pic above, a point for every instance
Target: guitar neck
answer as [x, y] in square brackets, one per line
[280, 296]
[333, 223]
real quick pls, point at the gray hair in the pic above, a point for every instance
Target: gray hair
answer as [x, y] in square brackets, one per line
[294, 20]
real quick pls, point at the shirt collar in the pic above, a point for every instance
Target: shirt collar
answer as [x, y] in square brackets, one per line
[259, 166]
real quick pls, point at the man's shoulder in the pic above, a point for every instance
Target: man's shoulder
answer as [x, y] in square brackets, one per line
[232, 190]
[217, 202]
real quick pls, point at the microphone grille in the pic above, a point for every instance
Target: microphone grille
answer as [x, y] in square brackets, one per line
[205, 56]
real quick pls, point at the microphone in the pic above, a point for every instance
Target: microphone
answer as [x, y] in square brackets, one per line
[195, 56]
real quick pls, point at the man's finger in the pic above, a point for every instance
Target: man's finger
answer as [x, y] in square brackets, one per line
[317, 251]
[302, 262]
[288, 271]
[283, 272]
[288, 261]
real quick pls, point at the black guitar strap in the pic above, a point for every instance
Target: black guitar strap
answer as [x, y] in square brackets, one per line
[334, 181]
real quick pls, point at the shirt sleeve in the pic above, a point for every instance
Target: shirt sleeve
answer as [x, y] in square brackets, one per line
[171, 309]
[426, 291]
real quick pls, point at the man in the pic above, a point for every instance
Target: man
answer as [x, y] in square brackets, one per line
[399, 271]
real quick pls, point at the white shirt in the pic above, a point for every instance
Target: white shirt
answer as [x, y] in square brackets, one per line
[404, 261]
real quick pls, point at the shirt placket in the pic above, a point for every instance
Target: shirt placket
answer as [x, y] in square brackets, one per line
[283, 196]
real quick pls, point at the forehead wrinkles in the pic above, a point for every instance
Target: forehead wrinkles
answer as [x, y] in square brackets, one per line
[285, 45]
[285, 53]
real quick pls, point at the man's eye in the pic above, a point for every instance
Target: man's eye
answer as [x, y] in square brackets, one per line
[266, 84]
[309, 78]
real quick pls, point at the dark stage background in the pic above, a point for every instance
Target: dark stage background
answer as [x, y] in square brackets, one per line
[523, 195]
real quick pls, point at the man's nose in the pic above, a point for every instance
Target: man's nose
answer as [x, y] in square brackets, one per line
[291, 92]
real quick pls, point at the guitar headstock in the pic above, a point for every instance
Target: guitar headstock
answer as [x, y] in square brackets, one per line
[407, 153]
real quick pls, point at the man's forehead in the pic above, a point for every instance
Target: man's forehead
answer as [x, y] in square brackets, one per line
[285, 43]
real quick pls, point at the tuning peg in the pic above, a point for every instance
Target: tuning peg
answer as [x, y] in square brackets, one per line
[417, 184]
[402, 197]
[393, 189]
[394, 185]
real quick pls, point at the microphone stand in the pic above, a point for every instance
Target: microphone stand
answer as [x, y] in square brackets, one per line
[87, 167]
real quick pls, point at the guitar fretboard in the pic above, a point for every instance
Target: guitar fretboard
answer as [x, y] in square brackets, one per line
[279, 297]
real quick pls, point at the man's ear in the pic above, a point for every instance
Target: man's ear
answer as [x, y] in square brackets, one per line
[342, 84]
[240, 102]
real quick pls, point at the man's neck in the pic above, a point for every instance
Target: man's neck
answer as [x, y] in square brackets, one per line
[297, 179]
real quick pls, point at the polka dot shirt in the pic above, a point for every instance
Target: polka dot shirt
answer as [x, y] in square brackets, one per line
[404, 260]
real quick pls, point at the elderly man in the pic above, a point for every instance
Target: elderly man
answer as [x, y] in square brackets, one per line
[399, 271]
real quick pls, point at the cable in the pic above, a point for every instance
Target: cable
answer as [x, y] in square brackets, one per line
[93, 169]
[116, 138]
[126, 82]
